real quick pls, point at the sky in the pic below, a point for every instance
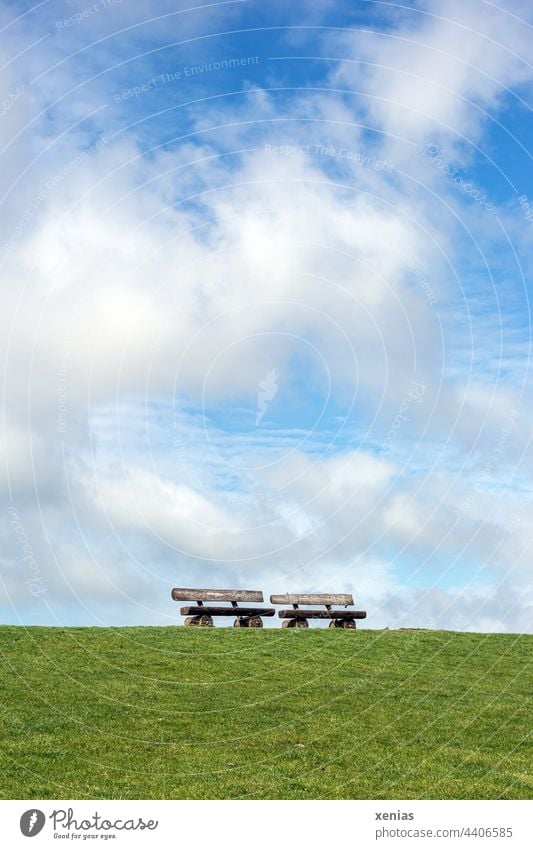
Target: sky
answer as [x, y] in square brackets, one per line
[264, 311]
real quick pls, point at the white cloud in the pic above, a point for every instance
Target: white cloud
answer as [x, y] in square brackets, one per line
[443, 70]
[118, 288]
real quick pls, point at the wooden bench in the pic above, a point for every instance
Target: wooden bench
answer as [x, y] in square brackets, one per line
[245, 617]
[297, 617]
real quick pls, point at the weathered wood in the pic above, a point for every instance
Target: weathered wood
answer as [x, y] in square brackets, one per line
[228, 611]
[312, 598]
[248, 622]
[343, 623]
[295, 623]
[200, 621]
[322, 614]
[191, 594]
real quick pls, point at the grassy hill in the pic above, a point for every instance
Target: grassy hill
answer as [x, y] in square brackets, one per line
[221, 713]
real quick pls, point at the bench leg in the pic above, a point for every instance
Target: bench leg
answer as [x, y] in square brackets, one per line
[295, 623]
[200, 621]
[343, 623]
[248, 622]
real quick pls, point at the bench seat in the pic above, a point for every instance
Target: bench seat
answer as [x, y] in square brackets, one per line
[207, 610]
[296, 617]
[300, 613]
[201, 614]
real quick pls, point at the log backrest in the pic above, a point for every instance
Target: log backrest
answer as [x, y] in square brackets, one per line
[312, 598]
[201, 595]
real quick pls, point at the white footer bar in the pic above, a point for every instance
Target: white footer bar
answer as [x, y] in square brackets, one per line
[264, 824]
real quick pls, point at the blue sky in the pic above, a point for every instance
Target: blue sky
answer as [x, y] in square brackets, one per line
[265, 306]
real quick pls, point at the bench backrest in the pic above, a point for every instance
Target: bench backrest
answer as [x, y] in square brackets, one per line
[188, 594]
[312, 598]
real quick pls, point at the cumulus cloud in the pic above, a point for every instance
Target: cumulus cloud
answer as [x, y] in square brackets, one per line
[442, 71]
[149, 289]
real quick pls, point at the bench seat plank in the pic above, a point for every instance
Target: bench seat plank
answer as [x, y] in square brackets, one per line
[322, 614]
[312, 598]
[188, 594]
[227, 611]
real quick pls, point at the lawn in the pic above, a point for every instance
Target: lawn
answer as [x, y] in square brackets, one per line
[177, 712]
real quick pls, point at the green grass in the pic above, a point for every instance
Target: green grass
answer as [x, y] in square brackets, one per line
[220, 713]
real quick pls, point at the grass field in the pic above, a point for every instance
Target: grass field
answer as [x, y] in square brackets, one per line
[220, 713]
